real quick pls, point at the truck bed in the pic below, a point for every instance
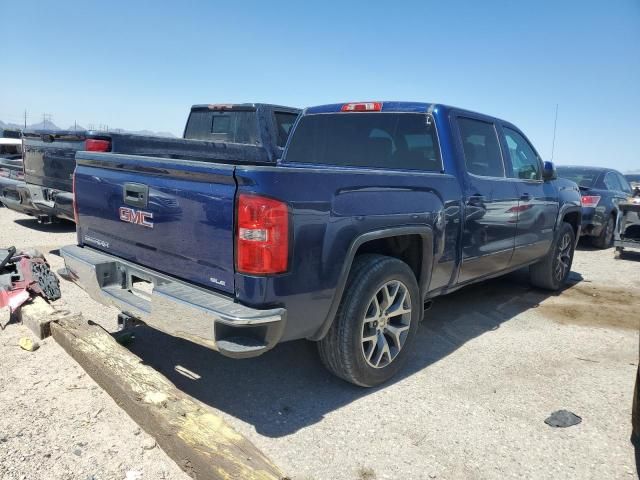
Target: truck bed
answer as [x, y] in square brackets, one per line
[49, 156]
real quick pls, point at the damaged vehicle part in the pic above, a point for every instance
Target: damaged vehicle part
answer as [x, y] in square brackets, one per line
[23, 274]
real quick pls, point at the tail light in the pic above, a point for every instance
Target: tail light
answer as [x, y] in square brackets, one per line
[262, 235]
[590, 200]
[362, 107]
[75, 203]
[94, 145]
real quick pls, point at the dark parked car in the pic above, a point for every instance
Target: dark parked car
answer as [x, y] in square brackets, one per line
[374, 209]
[602, 189]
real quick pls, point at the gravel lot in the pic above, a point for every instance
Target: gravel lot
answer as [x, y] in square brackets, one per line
[491, 362]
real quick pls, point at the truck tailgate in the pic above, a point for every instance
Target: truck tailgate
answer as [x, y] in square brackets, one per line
[175, 217]
[49, 158]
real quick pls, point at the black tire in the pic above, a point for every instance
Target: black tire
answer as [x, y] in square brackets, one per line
[552, 272]
[342, 350]
[605, 239]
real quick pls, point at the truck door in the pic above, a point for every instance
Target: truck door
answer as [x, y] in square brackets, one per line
[537, 200]
[490, 201]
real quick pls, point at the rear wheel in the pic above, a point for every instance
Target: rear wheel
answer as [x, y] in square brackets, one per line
[552, 272]
[605, 239]
[376, 322]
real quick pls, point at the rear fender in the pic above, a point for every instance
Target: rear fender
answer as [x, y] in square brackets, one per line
[425, 232]
[565, 209]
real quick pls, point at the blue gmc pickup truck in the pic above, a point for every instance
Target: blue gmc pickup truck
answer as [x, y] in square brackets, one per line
[374, 209]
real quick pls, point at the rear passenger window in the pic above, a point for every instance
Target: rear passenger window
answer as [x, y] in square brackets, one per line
[284, 122]
[481, 148]
[524, 160]
[611, 182]
[623, 183]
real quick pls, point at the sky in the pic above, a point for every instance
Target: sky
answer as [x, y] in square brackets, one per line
[142, 64]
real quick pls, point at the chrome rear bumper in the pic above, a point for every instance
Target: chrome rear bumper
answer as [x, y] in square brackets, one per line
[173, 306]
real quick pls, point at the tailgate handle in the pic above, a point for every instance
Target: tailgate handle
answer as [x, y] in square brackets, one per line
[135, 194]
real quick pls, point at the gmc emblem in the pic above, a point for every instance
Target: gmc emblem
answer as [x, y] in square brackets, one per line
[136, 216]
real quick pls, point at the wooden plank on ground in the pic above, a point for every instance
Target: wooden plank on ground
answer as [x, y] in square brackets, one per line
[193, 435]
[38, 314]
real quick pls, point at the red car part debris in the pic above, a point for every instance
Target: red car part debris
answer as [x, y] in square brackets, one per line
[23, 274]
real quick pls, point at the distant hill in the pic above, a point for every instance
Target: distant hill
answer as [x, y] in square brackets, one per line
[34, 126]
[52, 126]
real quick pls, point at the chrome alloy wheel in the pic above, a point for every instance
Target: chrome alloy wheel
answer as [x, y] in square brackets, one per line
[563, 259]
[386, 324]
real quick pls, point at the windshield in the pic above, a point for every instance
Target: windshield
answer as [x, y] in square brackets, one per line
[584, 177]
[378, 140]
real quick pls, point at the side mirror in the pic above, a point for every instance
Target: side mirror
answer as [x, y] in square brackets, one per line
[549, 171]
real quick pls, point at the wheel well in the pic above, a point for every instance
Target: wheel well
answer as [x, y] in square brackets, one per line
[573, 219]
[407, 248]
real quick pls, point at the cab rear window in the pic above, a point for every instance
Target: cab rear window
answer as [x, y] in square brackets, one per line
[223, 126]
[377, 140]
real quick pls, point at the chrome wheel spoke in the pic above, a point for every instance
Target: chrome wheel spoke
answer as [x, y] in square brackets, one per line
[399, 307]
[368, 351]
[389, 292]
[374, 311]
[371, 338]
[382, 352]
[395, 332]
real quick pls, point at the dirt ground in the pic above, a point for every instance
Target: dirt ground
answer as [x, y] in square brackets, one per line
[491, 362]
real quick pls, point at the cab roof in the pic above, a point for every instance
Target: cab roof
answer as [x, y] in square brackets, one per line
[437, 109]
[400, 107]
[242, 106]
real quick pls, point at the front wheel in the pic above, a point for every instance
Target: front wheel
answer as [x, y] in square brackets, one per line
[552, 272]
[376, 322]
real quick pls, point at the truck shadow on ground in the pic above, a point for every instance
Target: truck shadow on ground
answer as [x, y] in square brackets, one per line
[586, 245]
[288, 389]
[62, 226]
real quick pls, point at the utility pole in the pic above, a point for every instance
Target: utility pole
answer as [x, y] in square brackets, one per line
[25, 118]
[45, 117]
[555, 124]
